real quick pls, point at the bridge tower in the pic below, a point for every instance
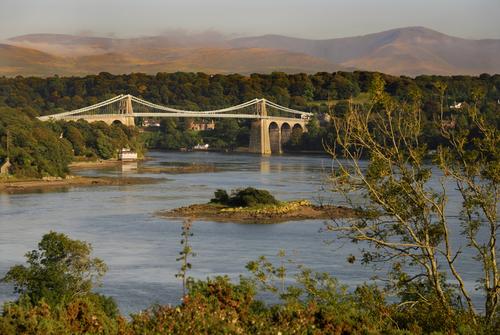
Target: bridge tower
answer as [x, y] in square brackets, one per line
[126, 111]
[260, 141]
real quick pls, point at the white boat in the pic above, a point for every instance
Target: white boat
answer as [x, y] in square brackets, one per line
[201, 147]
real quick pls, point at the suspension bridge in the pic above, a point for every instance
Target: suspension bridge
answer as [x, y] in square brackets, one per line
[272, 124]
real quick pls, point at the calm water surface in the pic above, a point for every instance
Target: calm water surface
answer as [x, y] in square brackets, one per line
[140, 248]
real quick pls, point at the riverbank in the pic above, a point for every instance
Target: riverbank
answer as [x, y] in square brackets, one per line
[98, 164]
[41, 185]
[286, 211]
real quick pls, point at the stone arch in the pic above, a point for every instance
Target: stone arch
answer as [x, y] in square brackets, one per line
[298, 127]
[275, 137]
[117, 122]
[286, 132]
[297, 132]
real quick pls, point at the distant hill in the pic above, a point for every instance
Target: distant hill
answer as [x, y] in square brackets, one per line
[83, 55]
[24, 61]
[15, 60]
[409, 51]
[405, 51]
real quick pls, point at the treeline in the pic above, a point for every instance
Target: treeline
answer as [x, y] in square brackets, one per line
[38, 149]
[321, 93]
[201, 91]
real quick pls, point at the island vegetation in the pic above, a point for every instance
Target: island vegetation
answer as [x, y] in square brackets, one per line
[251, 205]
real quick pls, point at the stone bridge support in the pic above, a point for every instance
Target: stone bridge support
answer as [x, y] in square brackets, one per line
[267, 136]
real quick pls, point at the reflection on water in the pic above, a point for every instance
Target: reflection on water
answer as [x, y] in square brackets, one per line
[129, 166]
[265, 166]
[140, 248]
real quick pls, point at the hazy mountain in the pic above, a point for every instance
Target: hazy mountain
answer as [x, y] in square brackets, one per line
[90, 57]
[409, 51]
[24, 61]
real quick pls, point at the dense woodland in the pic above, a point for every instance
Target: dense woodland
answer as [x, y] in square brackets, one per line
[201, 91]
[21, 99]
[37, 149]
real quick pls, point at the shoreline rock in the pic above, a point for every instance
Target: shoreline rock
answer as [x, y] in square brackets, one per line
[285, 211]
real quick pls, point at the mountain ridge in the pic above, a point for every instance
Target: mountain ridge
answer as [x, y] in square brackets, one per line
[408, 51]
[363, 51]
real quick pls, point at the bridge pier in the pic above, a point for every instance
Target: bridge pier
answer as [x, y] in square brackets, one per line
[128, 121]
[259, 137]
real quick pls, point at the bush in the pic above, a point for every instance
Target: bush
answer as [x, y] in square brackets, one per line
[220, 197]
[59, 270]
[81, 315]
[248, 197]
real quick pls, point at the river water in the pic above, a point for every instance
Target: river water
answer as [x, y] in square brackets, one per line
[140, 248]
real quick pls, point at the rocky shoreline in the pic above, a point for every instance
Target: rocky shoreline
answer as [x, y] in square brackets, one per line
[285, 211]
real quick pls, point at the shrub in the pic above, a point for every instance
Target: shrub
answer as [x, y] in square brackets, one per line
[220, 197]
[81, 315]
[59, 270]
[247, 197]
[250, 197]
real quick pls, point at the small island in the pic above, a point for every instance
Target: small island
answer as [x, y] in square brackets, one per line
[252, 205]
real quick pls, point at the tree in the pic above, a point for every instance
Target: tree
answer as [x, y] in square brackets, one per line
[59, 271]
[406, 220]
[472, 161]
[104, 146]
[184, 255]
[73, 135]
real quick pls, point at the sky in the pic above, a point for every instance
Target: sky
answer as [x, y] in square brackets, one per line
[316, 19]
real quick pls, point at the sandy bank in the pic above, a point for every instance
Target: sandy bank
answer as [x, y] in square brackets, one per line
[94, 164]
[27, 186]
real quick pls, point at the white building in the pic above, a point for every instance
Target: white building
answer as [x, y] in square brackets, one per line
[127, 155]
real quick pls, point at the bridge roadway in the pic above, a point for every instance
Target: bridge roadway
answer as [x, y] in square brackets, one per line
[183, 115]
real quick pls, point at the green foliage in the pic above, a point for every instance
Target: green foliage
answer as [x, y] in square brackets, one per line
[59, 270]
[199, 91]
[220, 197]
[80, 315]
[39, 149]
[247, 197]
[34, 150]
[98, 139]
[414, 230]
[310, 303]
[212, 306]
